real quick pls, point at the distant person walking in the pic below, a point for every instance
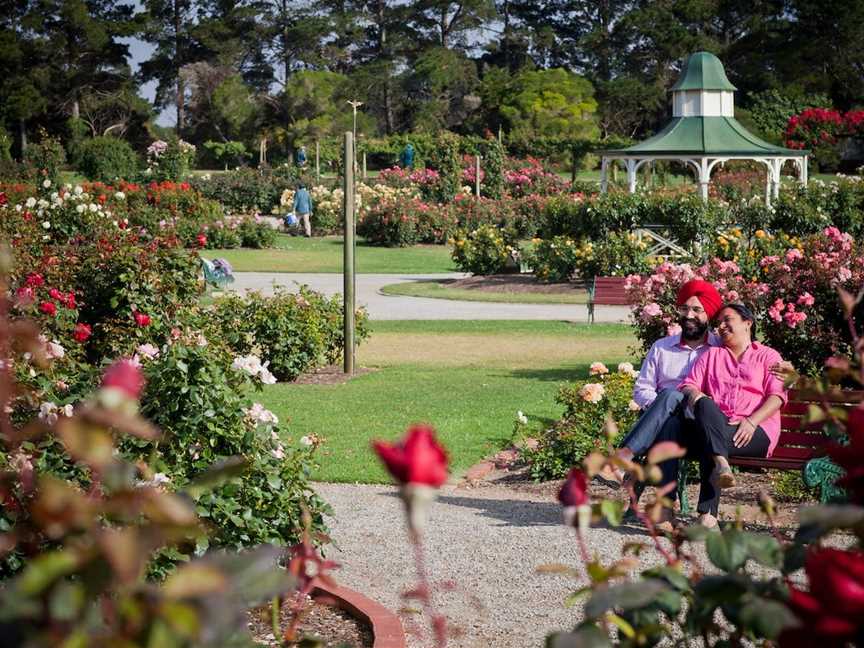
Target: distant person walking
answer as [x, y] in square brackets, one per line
[407, 156]
[303, 207]
[301, 157]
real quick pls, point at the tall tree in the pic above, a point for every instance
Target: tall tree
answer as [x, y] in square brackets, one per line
[169, 26]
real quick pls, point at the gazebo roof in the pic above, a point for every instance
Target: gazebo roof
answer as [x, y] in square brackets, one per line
[703, 71]
[695, 136]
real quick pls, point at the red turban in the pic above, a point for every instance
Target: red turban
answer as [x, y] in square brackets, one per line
[705, 292]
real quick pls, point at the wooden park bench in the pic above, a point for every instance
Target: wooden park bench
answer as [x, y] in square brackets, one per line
[606, 291]
[802, 445]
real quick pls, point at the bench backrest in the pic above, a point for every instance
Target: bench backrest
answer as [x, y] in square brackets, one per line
[799, 440]
[609, 291]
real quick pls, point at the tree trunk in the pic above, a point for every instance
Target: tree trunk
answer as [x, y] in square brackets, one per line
[22, 136]
[76, 109]
[380, 16]
[178, 62]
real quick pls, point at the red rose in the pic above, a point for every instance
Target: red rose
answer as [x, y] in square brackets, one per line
[851, 457]
[34, 280]
[3, 198]
[125, 376]
[574, 492]
[82, 332]
[141, 319]
[70, 300]
[48, 308]
[418, 459]
[833, 610]
[202, 240]
[55, 294]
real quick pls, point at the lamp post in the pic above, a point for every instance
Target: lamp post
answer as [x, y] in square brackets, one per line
[355, 105]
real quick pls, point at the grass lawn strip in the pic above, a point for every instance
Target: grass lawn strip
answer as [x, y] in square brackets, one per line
[324, 254]
[467, 380]
[437, 289]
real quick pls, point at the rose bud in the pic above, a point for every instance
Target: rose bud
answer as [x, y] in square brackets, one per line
[419, 464]
[141, 319]
[81, 332]
[48, 308]
[574, 497]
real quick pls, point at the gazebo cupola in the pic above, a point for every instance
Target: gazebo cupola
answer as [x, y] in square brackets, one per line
[703, 132]
[703, 89]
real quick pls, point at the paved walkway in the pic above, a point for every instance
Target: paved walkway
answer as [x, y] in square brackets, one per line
[394, 307]
[487, 541]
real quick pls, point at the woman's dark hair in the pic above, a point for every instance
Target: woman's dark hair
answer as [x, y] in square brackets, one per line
[746, 314]
[301, 185]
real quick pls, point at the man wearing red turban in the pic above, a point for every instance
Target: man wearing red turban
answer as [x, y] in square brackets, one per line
[668, 362]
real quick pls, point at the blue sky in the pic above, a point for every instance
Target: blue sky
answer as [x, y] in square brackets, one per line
[140, 51]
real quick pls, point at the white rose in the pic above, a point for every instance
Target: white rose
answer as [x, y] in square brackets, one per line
[46, 183]
[46, 224]
[80, 208]
[31, 202]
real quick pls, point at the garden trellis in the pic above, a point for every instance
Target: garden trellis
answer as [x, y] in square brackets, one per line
[703, 133]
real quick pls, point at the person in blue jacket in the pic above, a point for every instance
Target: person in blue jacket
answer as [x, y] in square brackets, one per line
[301, 157]
[407, 157]
[303, 207]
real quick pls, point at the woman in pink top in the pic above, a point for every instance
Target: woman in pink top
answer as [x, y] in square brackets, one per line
[736, 402]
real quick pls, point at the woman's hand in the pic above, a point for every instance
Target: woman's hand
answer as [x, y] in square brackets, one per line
[783, 370]
[746, 430]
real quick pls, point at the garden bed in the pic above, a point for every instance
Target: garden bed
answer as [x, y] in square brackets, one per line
[511, 288]
[328, 623]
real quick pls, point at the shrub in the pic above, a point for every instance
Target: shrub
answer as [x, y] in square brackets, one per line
[445, 159]
[618, 255]
[556, 259]
[198, 395]
[171, 160]
[44, 160]
[583, 427]
[484, 251]
[293, 333]
[107, 158]
[245, 189]
[793, 295]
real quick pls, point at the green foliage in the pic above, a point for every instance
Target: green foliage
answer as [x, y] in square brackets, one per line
[5, 146]
[484, 251]
[555, 260]
[445, 158]
[248, 189]
[617, 255]
[228, 151]
[440, 88]
[550, 102]
[493, 167]
[200, 400]
[790, 487]
[45, 159]
[106, 159]
[580, 431]
[294, 333]
[169, 161]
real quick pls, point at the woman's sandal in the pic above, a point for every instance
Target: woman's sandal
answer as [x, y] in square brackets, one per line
[610, 477]
[724, 477]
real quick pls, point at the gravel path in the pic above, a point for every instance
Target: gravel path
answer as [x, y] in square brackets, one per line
[392, 307]
[488, 541]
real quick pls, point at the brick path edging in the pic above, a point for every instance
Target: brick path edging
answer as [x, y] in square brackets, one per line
[386, 627]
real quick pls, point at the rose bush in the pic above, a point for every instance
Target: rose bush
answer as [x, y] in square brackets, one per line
[484, 251]
[793, 295]
[588, 405]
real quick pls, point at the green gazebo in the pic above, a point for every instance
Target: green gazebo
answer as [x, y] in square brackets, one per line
[703, 133]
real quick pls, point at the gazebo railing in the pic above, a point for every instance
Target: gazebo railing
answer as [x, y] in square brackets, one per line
[658, 244]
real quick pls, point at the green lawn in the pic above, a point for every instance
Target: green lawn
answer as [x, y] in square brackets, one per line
[439, 290]
[466, 378]
[324, 254]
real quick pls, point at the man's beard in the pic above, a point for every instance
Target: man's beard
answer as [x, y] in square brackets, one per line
[692, 329]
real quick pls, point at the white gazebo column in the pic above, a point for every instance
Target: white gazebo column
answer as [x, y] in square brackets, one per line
[805, 173]
[604, 170]
[704, 178]
[631, 175]
[775, 189]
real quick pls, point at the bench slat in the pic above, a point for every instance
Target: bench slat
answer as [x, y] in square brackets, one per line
[802, 439]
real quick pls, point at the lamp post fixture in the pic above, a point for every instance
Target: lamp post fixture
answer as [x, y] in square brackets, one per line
[355, 105]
